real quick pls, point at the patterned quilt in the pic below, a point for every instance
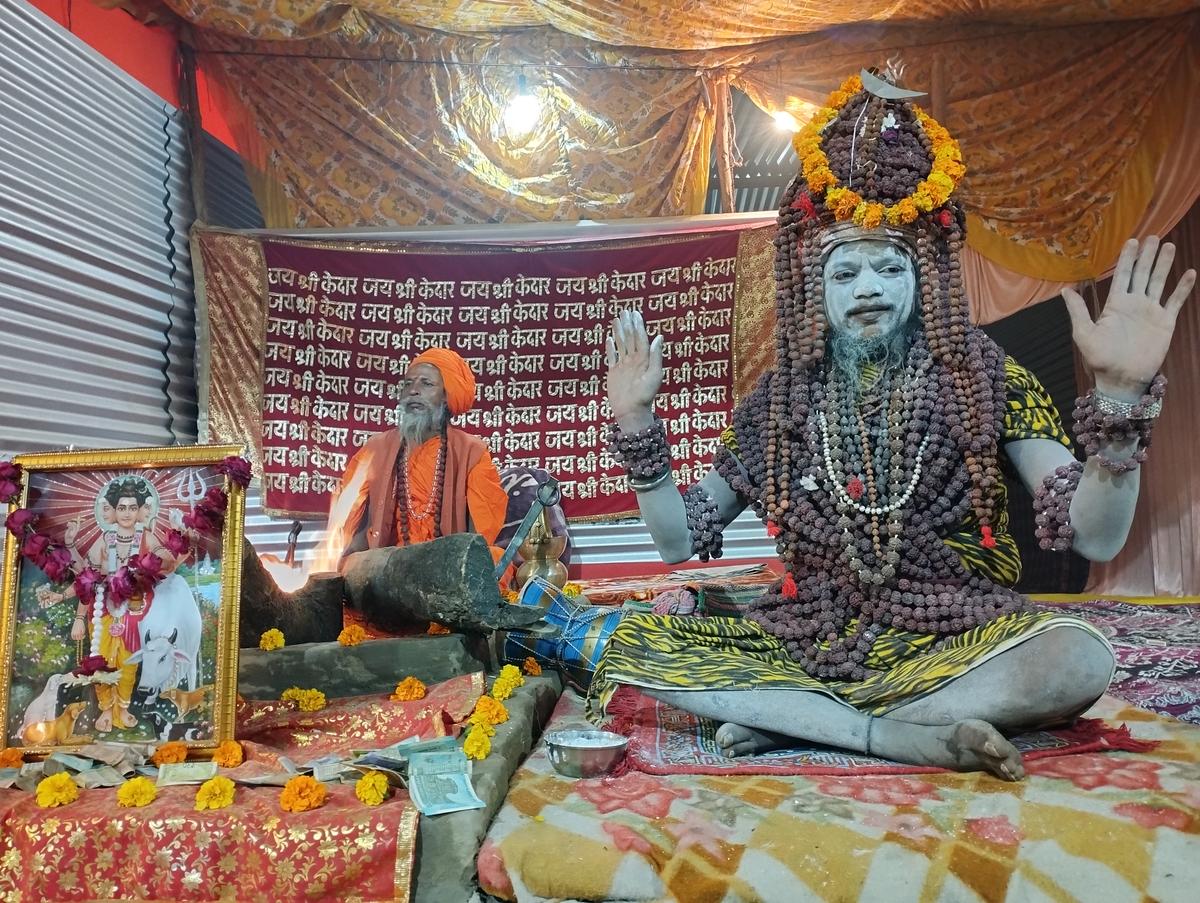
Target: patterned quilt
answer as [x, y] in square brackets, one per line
[1094, 826]
[1158, 653]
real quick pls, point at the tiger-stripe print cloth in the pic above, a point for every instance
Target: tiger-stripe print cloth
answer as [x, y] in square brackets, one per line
[666, 652]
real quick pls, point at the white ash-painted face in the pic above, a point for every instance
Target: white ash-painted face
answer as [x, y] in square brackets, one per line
[870, 288]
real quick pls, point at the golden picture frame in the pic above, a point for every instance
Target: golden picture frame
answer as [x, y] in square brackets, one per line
[156, 656]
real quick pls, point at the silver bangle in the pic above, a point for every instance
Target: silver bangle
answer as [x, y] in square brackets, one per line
[1106, 404]
[652, 483]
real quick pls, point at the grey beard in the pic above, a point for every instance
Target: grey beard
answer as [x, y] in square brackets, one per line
[851, 354]
[417, 426]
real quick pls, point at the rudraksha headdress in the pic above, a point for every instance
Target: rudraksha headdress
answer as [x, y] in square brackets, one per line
[875, 165]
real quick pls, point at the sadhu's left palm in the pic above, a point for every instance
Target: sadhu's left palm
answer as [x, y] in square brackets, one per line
[1126, 345]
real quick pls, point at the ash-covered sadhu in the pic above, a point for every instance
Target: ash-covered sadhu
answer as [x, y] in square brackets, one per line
[873, 453]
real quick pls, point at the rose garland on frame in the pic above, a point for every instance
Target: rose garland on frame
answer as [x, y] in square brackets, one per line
[141, 574]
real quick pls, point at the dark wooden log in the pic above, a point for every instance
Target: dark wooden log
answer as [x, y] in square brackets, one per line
[311, 614]
[450, 580]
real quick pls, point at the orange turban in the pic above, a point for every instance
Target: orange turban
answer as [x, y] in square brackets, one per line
[456, 377]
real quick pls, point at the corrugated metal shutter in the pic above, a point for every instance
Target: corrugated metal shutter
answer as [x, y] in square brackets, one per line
[226, 191]
[98, 342]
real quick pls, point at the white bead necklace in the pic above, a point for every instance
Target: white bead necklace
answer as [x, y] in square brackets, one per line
[841, 490]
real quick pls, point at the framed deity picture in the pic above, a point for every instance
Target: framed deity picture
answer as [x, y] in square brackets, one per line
[119, 596]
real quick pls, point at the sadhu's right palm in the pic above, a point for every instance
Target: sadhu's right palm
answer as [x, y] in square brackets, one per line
[634, 366]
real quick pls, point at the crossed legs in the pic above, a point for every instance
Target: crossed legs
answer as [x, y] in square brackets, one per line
[1048, 679]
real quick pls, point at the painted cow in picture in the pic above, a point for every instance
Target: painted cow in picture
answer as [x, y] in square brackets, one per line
[170, 653]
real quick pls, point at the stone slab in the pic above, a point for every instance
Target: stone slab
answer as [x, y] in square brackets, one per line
[449, 844]
[373, 666]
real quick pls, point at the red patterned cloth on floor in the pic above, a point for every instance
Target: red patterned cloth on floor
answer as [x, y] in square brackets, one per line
[252, 850]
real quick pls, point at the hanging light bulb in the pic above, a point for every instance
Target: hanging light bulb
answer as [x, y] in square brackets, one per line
[785, 121]
[523, 111]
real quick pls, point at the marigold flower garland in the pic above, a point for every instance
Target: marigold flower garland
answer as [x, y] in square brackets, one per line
[139, 791]
[302, 793]
[306, 700]
[408, 690]
[932, 192]
[170, 753]
[215, 793]
[57, 790]
[143, 572]
[372, 788]
[271, 640]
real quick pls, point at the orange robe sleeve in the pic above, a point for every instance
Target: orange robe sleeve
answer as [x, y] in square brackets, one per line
[486, 499]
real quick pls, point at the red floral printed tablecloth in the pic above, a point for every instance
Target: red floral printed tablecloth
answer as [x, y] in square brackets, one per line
[252, 850]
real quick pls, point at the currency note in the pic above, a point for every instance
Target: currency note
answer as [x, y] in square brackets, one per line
[440, 782]
[186, 773]
[102, 776]
[61, 761]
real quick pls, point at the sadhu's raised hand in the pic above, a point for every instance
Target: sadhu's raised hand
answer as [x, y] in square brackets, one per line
[1126, 345]
[635, 369]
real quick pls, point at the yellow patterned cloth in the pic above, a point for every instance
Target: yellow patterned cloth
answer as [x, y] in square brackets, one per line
[665, 652]
[1096, 826]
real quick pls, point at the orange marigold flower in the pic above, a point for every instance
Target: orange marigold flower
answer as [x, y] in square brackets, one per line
[408, 689]
[902, 212]
[436, 629]
[489, 710]
[508, 595]
[229, 754]
[872, 216]
[352, 635]
[821, 179]
[170, 753]
[302, 793]
[12, 757]
[531, 666]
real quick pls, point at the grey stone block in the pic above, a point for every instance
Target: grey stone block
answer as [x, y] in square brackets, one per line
[449, 844]
[373, 666]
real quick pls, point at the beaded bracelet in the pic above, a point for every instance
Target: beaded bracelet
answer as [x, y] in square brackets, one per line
[1052, 507]
[646, 453]
[704, 522]
[1100, 420]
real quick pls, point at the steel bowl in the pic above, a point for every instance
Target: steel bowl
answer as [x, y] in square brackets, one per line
[584, 753]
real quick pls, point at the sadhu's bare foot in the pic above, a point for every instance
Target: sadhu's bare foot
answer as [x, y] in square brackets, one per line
[738, 740]
[968, 745]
